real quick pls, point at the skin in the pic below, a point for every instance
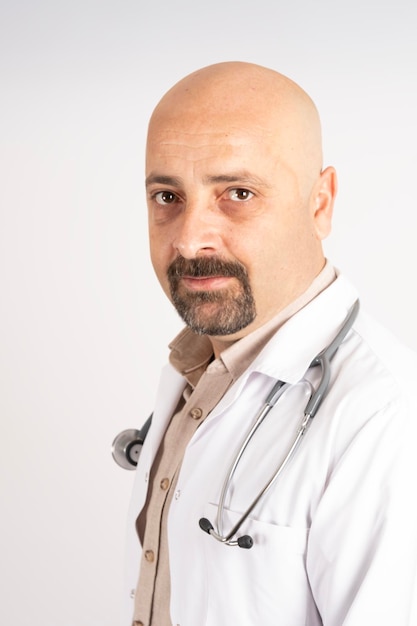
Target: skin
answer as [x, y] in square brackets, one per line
[234, 172]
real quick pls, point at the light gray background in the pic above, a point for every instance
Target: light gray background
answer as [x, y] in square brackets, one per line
[84, 325]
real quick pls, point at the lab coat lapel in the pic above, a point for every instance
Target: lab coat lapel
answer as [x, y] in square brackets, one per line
[170, 388]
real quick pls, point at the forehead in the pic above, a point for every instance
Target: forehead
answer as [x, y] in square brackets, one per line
[201, 144]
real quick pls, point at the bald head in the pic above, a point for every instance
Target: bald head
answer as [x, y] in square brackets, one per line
[237, 195]
[236, 95]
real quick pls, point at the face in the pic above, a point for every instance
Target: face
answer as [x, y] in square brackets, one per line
[234, 233]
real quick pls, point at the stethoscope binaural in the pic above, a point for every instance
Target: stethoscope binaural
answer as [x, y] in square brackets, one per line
[127, 445]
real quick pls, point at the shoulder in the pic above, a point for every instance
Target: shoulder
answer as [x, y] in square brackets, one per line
[379, 355]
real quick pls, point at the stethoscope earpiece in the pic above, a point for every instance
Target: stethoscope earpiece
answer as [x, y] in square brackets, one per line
[245, 541]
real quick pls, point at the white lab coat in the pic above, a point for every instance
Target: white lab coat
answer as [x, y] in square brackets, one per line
[335, 541]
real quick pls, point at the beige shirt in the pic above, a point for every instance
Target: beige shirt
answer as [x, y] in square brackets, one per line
[206, 383]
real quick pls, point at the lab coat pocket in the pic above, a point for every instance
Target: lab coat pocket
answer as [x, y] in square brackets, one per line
[266, 584]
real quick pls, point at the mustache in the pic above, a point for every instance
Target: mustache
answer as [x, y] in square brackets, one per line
[204, 267]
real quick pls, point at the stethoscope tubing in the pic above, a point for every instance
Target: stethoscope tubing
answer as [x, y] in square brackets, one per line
[272, 398]
[317, 396]
[229, 476]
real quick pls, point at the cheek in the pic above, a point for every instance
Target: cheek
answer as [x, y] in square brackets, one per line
[273, 254]
[160, 258]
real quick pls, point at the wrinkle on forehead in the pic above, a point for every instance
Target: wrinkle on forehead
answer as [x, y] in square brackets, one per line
[165, 142]
[192, 135]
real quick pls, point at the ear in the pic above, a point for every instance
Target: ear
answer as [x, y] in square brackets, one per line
[322, 199]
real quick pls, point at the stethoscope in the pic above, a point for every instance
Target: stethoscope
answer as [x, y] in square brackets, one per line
[128, 444]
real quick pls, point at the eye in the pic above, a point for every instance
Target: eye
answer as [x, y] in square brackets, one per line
[165, 197]
[240, 195]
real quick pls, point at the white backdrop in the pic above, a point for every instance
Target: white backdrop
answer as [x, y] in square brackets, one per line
[84, 326]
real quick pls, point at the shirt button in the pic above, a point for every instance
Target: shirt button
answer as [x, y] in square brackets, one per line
[150, 556]
[164, 484]
[138, 624]
[196, 413]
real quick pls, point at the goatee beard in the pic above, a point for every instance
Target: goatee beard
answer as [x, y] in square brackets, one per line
[218, 312]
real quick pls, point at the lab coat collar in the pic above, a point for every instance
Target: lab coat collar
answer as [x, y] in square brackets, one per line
[288, 354]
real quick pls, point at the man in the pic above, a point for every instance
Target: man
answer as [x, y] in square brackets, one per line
[239, 204]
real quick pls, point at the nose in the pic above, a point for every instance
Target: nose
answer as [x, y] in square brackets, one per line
[198, 233]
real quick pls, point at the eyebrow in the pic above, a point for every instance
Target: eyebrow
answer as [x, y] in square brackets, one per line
[173, 181]
[235, 177]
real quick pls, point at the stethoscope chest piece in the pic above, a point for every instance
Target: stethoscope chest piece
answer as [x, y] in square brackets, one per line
[126, 448]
